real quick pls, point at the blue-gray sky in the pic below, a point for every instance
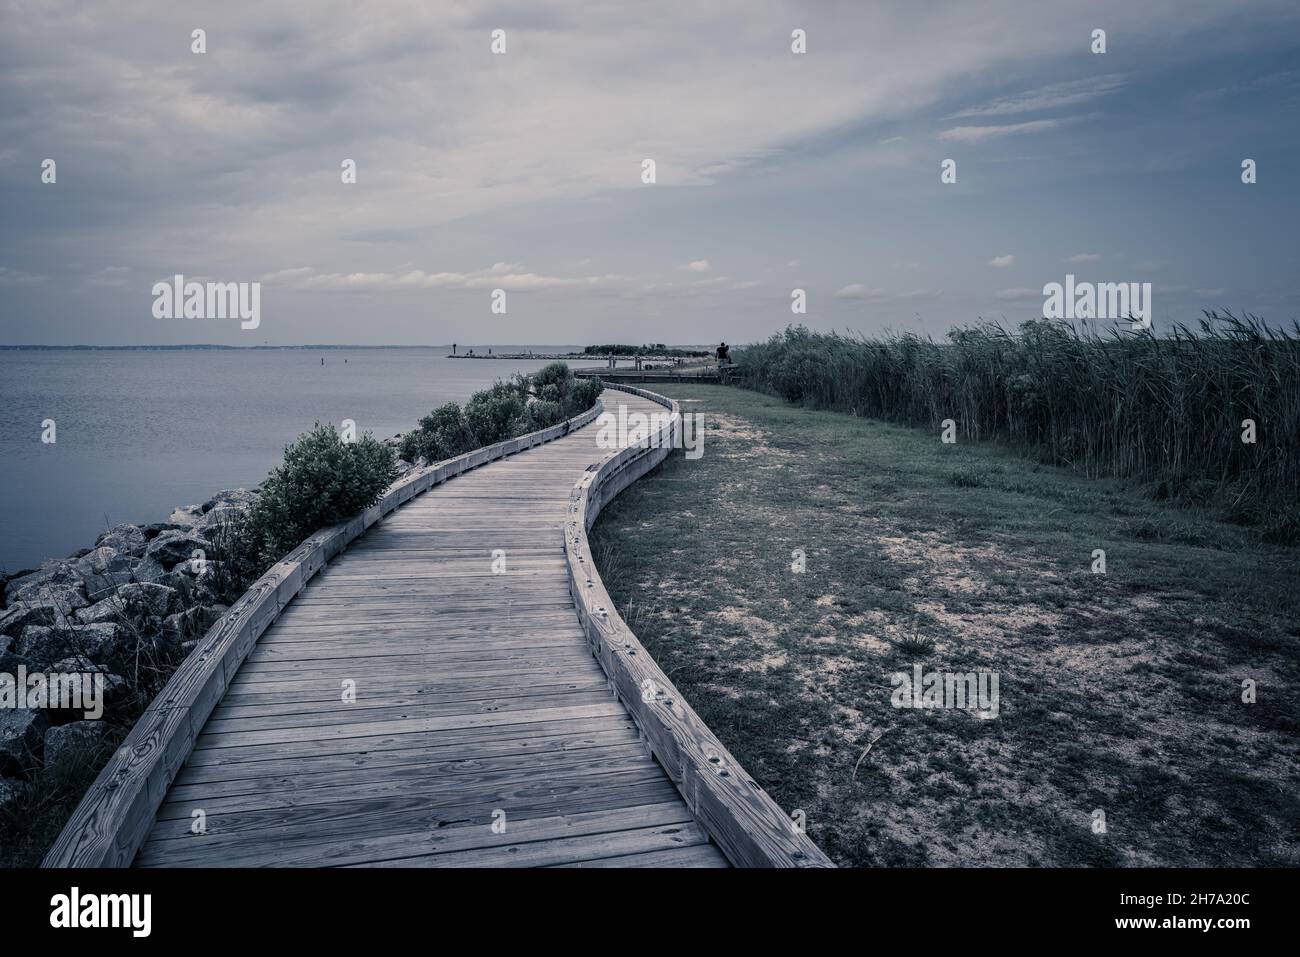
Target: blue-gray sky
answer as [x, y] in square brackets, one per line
[523, 171]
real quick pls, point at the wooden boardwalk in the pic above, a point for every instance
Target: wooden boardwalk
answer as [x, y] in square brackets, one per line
[483, 732]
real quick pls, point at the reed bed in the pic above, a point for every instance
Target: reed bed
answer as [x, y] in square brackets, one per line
[1166, 411]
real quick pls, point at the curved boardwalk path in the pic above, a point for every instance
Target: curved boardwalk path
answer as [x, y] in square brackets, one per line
[477, 700]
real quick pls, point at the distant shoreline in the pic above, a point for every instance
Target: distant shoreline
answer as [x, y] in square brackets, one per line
[198, 346]
[550, 350]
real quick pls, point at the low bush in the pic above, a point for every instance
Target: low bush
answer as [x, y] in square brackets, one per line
[443, 434]
[506, 410]
[497, 414]
[321, 482]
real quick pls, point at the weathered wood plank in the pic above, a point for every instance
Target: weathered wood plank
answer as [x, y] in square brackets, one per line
[365, 729]
[700, 855]
[445, 749]
[358, 814]
[300, 844]
[450, 773]
[563, 850]
[111, 821]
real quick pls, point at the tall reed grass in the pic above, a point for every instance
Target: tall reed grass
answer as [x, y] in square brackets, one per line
[1164, 410]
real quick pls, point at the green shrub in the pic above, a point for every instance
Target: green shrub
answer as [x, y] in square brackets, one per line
[557, 374]
[582, 396]
[496, 414]
[443, 434]
[545, 413]
[321, 482]
[506, 410]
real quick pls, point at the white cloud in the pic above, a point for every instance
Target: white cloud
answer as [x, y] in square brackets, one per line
[858, 291]
[1050, 97]
[698, 265]
[1002, 262]
[109, 276]
[494, 277]
[974, 134]
[14, 277]
[466, 160]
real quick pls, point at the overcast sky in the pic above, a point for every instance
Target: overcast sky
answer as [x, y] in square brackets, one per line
[523, 171]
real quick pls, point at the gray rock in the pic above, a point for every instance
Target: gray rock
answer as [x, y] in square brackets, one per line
[41, 644]
[221, 514]
[179, 580]
[115, 686]
[240, 497]
[172, 547]
[186, 515]
[77, 664]
[110, 609]
[50, 573]
[102, 570]
[116, 690]
[126, 539]
[73, 741]
[187, 569]
[98, 640]
[157, 528]
[56, 584]
[9, 792]
[11, 661]
[149, 571]
[21, 730]
[196, 588]
[139, 597]
[192, 623]
[14, 619]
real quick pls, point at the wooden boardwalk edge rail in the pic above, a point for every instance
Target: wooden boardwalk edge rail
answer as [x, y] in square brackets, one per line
[115, 815]
[749, 827]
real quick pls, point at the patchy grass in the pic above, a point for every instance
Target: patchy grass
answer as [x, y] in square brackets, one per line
[32, 823]
[1120, 692]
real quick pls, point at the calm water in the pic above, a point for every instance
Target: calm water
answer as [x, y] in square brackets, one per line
[141, 431]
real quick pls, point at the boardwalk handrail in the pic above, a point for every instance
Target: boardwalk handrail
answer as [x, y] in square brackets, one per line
[749, 827]
[111, 822]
